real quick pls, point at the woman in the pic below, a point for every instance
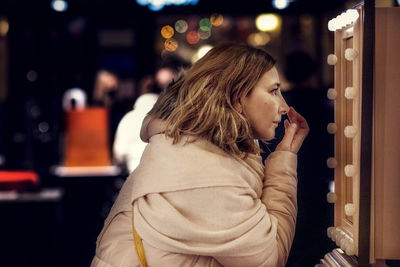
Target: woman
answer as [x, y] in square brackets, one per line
[200, 195]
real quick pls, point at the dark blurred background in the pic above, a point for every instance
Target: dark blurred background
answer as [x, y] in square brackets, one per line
[45, 52]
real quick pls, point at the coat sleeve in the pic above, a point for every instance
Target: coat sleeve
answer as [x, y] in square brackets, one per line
[280, 199]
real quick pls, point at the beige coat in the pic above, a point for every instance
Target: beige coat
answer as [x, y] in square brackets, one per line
[194, 205]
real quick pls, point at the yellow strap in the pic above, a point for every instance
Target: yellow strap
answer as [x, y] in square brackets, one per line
[138, 244]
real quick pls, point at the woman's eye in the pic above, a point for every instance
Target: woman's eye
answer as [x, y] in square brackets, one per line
[275, 91]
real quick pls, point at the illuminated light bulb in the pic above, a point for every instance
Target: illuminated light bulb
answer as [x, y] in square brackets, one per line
[192, 37]
[181, 26]
[331, 186]
[280, 4]
[331, 128]
[329, 231]
[350, 249]
[171, 44]
[331, 197]
[331, 163]
[352, 15]
[4, 26]
[332, 93]
[59, 5]
[335, 234]
[350, 131]
[341, 20]
[343, 243]
[332, 25]
[258, 39]
[331, 59]
[216, 19]
[204, 34]
[267, 22]
[339, 237]
[205, 24]
[350, 93]
[349, 170]
[350, 30]
[350, 54]
[349, 209]
[167, 31]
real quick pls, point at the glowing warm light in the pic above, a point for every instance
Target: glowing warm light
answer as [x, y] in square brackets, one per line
[331, 59]
[181, 26]
[205, 24]
[171, 44]
[201, 52]
[332, 93]
[331, 162]
[4, 27]
[59, 5]
[267, 22]
[331, 128]
[164, 76]
[167, 32]
[78, 96]
[204, 34]
[280, 4]
[258, 39]
[344, 19]
[350, 131]
[216, 19]
[192, 37]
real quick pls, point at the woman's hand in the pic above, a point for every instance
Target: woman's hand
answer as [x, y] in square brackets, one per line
[295, 132]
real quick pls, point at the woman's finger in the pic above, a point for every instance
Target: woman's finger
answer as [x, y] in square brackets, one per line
[287, 139]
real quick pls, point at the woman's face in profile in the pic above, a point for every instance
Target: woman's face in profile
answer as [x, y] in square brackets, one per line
[264, 106]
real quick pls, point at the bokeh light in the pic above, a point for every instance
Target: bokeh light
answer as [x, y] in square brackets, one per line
[216, 19]
[181, 26]
[167, 31]
[192, 37]
[4, 26]
[258, 39]
[280, 4]
[32, 76]
[193, 23]
[171, 44]
[267, 22]
[201, 52]
[204, 34]
[205, 24]
[59, 5]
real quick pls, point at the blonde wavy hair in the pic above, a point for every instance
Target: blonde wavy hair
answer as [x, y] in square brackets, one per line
[201, 103]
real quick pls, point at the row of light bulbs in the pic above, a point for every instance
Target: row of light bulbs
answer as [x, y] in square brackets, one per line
[342, 20]
[337, 235]
[342, 239]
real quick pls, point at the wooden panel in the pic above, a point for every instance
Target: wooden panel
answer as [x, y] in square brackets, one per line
[386, 171]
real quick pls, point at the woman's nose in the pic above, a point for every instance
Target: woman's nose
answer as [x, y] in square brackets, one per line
[284, 108]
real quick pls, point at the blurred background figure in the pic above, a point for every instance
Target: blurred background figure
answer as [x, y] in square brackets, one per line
[128, 146]
[105, 88]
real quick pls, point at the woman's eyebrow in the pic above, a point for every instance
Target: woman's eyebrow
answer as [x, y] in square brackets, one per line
[275, 85]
